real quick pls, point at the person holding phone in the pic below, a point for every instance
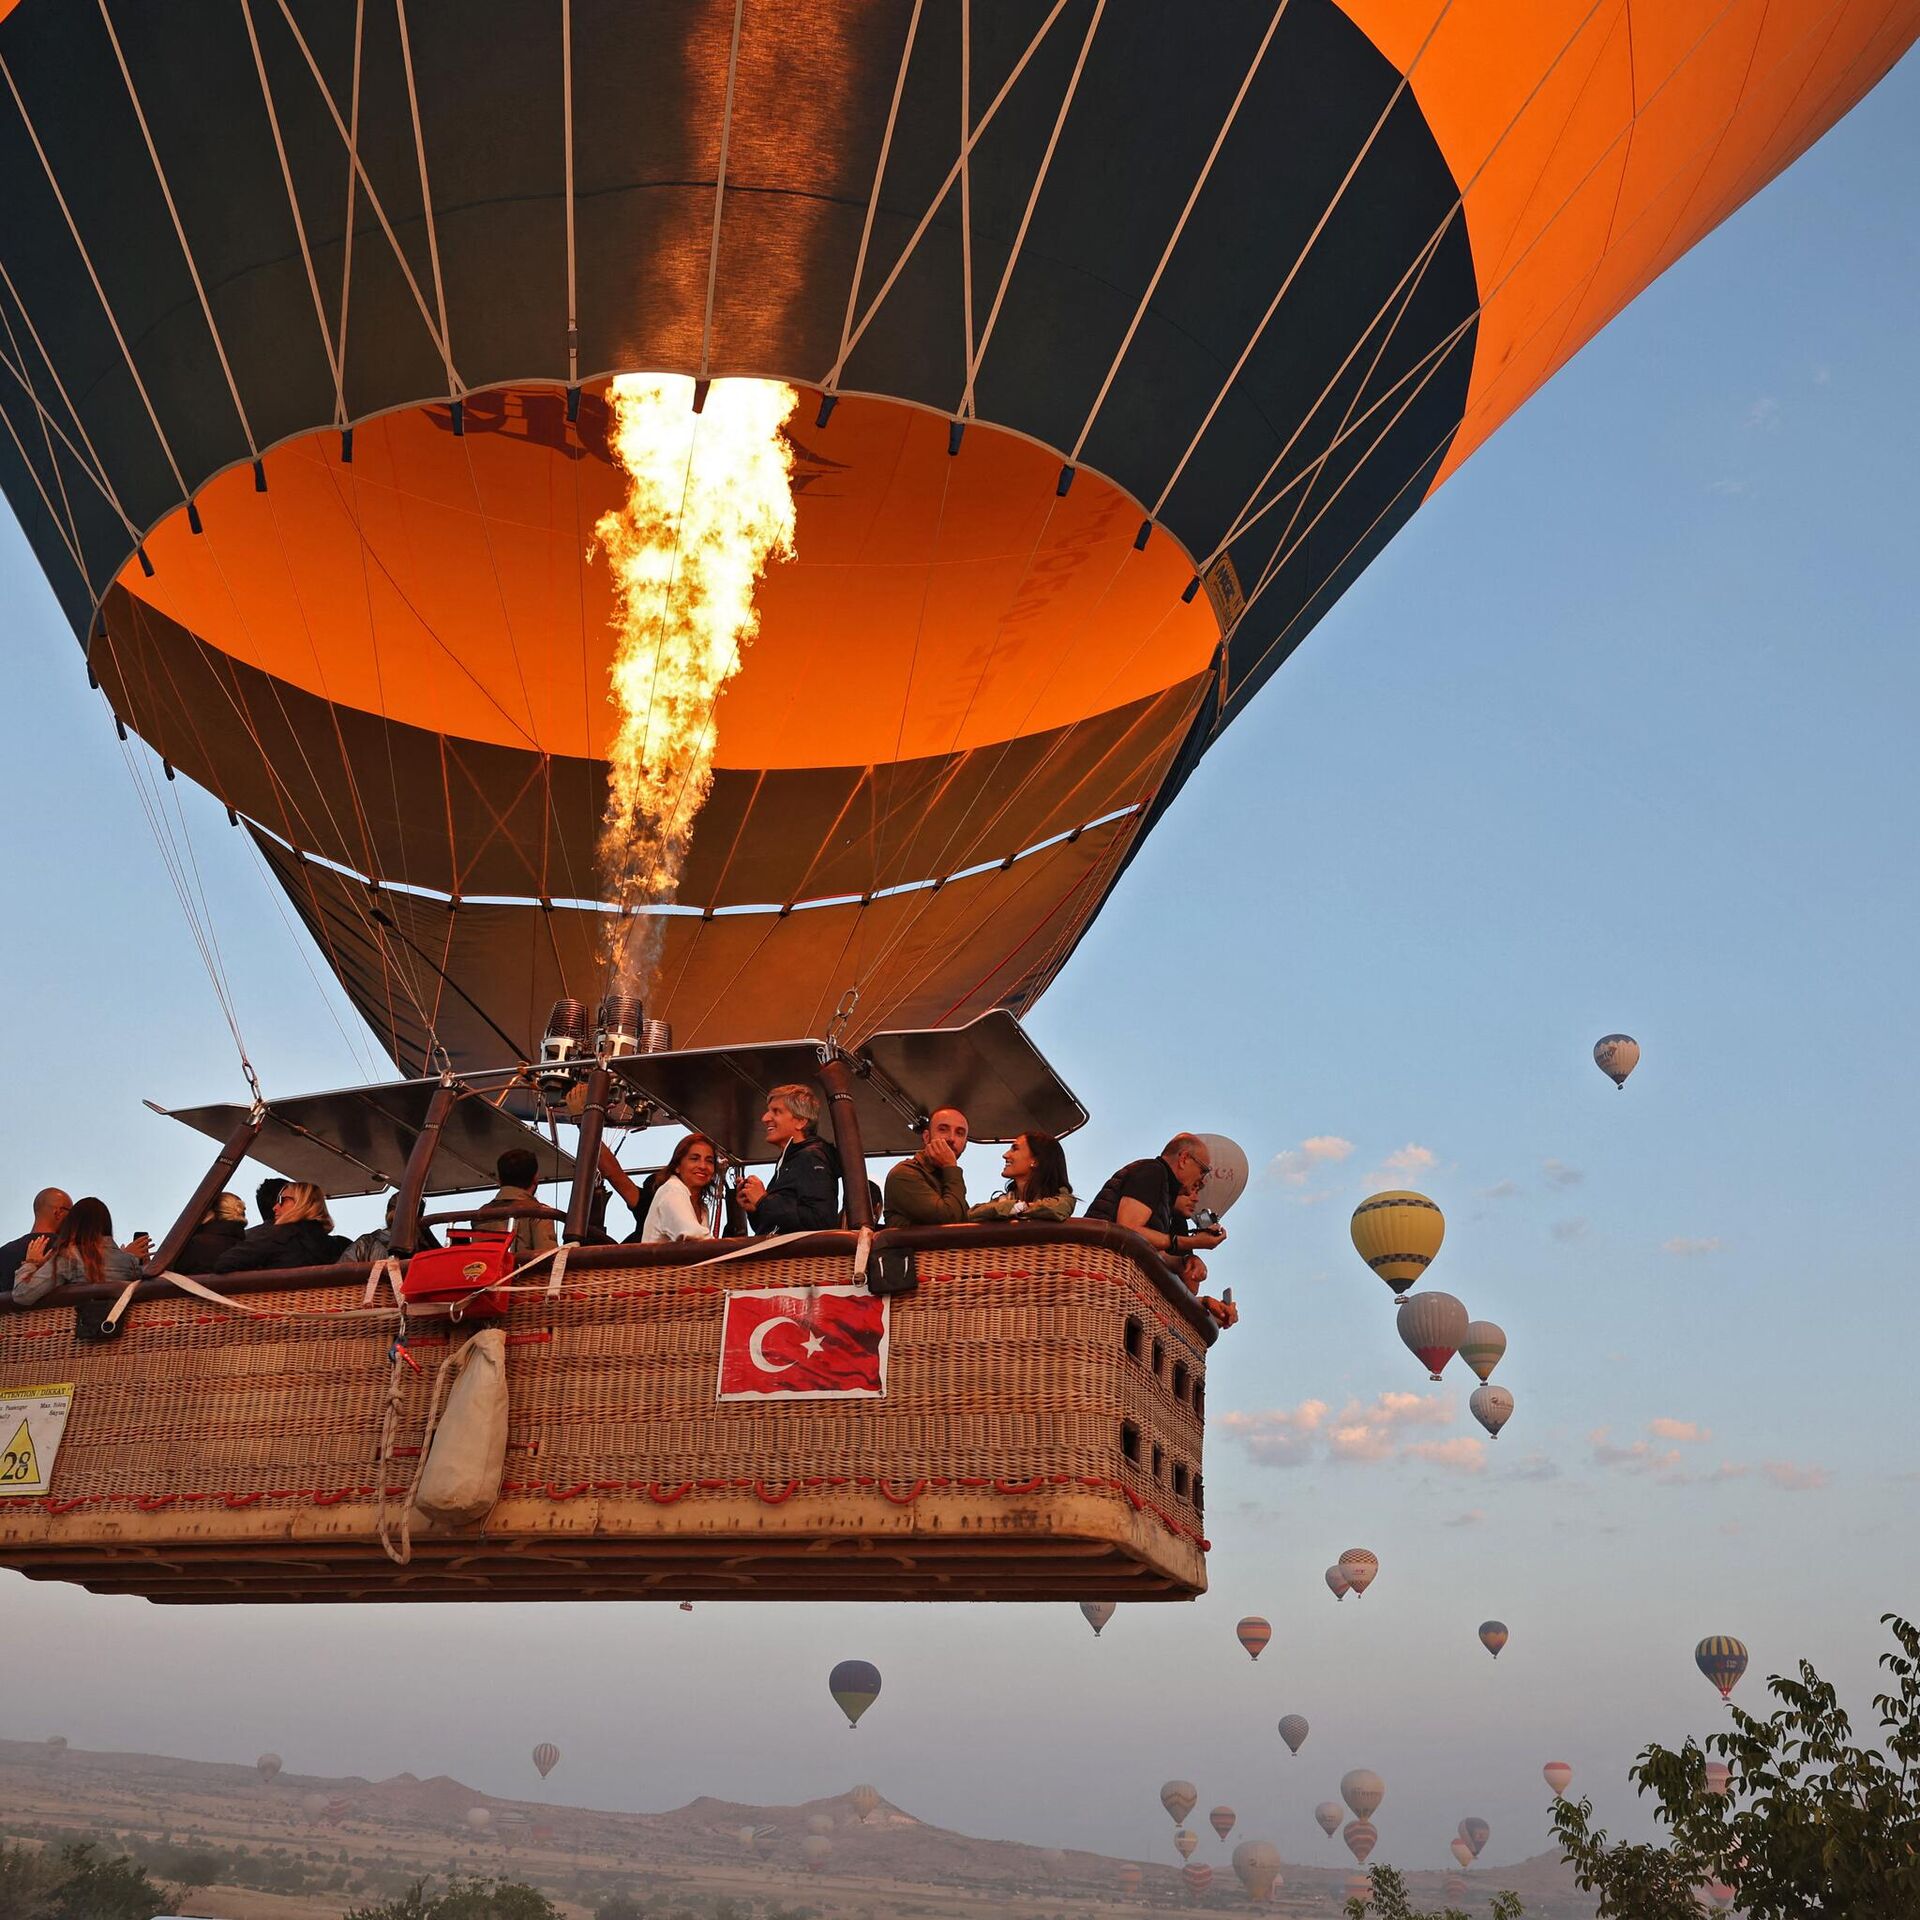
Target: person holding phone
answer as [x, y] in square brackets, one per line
[80, 1252]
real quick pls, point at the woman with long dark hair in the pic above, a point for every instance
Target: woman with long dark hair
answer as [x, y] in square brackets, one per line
[81, 1252]
[1037, 1186]
[677, 1209]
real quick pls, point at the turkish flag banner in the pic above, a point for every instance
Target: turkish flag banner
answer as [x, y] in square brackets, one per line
[803, 1343]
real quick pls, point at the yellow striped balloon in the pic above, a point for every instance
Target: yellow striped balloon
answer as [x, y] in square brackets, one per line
[1397, 1234]
[1723, 1660]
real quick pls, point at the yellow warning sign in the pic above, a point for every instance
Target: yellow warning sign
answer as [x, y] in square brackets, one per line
[36, 1418]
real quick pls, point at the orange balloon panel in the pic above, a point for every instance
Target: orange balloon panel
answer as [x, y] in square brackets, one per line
[935, 605]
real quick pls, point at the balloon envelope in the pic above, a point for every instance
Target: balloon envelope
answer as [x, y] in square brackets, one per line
[1221, 1820]
[1397, 1234]
[1098, 1613]
[1558, 1775]
[1293, 1730]
[267, 1765]
[1483, 1347]
[1184, 1842]
[1462, 1852]
[546, 1756]
[815, 1849]
[1329, 1813]
[864, 1800]
[1256, 1865]
[1723, 1660]
[1179, 1798]
[1492, 1406]
[1719, 1780]
[1198, 1877]
[819, 1823]
[1616, 1056]
[1362, 1790]
[1493, 1636]
[1253, 1633]
[1359, 1565]
[479, 1818]
[1361, 1837]
[1475, 1833]
[1432, 1325]
[1226, 1177]
[1129, 1878]
[855, 1686]
[1337, 1582]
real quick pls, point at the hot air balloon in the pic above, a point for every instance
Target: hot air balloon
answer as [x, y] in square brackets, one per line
[1557, 1774]
[1719, 1893]
[1129, 1878]
[863, 1800]
[855, 1686]
[546, 1756]
[1198, 1877]
[686, 1606]
[1454, 1884]
[1054, 1861]
[1337, 1582]
[1253, 1633]
[1361, 1837]
[1221, 1820]
[1098, 1613]
[1184, 1842]
[1359, 1886]
[1179, 1798]
[267, 1766]
[1722, 1660]
[1359, 1566]
[1482, 1347]
[313, 1805]
[1475, 1833]
[1492, 1406]
[1329, 1813]
[745, 1836]
[815, 1850]
[479, 1818]
[1493, 1636]
[819, 1823]
[1397, 1234]
[1256, 1865]
[1719, 1779]
[1362, 1790]
[1432, 1325]
[1293, 1730]
[57, 1744]
[1462, 1852]
[1616, 1056]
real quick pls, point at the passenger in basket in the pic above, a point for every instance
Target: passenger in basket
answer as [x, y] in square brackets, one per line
[266, 1196]
[302, 1235]
[378, 1243]
[1037, 1186]
[519, 1172]
[80, 1252]
[221, 1226]
[50, 1206]
[804, 1194]
[1145, 1196]
[929, 1190]
[677, 1209]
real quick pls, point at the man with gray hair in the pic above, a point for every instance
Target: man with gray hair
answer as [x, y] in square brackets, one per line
[804, 1194]
[50, 1206]
[1145, 1195]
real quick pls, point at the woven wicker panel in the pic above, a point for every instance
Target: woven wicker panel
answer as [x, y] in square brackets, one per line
[1007, 1364]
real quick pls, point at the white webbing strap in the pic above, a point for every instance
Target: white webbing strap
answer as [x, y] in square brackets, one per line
[557, 1277]
[387, 1269]
[185, 1282]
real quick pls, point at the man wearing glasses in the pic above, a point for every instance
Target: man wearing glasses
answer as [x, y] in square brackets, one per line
[1145, 1196]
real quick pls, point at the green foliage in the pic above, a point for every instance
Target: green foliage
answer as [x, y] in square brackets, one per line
[464, 1900]
[88, 1886]
[25, 1875]
[1812, 1824]
[1389, 1902]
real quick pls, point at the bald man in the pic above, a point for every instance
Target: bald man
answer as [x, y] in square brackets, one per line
[50, 1207]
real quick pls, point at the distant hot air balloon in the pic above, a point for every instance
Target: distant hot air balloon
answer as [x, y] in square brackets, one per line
[1256, 1865]
[1179, 1797]
[479, 1818]
[1337, 1582]
[686, 1606]
[1098, 1613]
[765, 1839]
[1184, 1842]
[1054, 1861]
[1483, 1347]
[1557, 1774]
[1221, 1820]
[541, 1835]
[1129, 1878]
[1719, 1893]
[1397, 1234]
[864, 1800]
[267, 1765]
[1432, 1326]
[1227, 1174]
[1493, 1636]
[1722, 1660]
[336, 1811]
[546, 1756]
[1329, 1813]
[745, 1837]
[855, 1686]
[1492, 1406]
[815, 1850]
[313, 1805]
[1362, 1790]
[56, 1744]
[1455, 1885]
[1361, 1836]
[1198, 1877]
[1616, 1056]
[1253, 1633]
[1476, 1834]
[819, 1823]
[1293, 1730]
[1359, 1886]
[1359, 1566]
[1462, 1852]
[1719, 1779]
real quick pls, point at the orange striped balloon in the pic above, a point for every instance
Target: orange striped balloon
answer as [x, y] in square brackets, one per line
[1253, 1633]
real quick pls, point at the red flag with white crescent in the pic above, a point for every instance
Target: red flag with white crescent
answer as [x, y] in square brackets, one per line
[803, 1343]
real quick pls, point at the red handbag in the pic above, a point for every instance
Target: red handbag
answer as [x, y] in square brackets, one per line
[462, 1274]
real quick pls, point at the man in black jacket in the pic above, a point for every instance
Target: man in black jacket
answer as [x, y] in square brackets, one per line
[804, 1194]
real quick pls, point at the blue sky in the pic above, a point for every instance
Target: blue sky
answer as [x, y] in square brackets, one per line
[1616, 735]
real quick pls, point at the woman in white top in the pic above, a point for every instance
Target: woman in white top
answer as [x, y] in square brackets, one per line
[678, 1210]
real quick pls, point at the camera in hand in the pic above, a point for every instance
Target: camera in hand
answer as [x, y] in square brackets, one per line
[1205, 1220]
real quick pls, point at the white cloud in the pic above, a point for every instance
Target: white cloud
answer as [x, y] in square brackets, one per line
[1361, 1432]
[1640, 1457]
[1296, 1166]
[1462, 1455]
[1730, 1470]
[1473, 1517]
[1278, 1437]
[1789, 1478]
[1682, 1247]
[1764, 413]
[1688, 1432]
[1568, 1231]
[1534, 1466]
[1410, 1159]
[1556, 1173]
[1500, 1190]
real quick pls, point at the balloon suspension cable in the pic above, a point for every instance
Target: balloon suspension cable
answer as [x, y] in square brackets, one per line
[841, 1015]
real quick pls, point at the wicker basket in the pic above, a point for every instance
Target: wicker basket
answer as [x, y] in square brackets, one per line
[1039, 1438]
